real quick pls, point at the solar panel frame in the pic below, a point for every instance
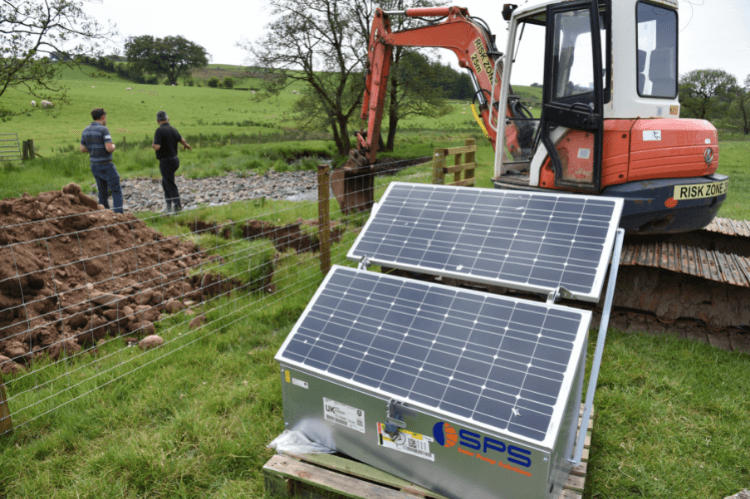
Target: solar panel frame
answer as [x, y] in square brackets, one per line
[356, 254]
[566, 385]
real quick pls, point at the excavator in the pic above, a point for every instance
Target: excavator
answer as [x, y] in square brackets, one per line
[609, 125]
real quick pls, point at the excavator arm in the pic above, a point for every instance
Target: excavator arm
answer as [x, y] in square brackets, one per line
[474, 46]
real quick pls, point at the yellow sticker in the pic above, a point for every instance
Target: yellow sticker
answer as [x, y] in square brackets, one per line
[287, 377]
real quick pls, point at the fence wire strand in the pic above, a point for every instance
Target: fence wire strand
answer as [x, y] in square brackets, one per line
[227, 276]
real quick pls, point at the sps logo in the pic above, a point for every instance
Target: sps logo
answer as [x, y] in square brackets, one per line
[446, 436]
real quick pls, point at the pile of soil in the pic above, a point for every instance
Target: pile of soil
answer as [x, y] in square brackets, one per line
[284, 237]
[72, 273]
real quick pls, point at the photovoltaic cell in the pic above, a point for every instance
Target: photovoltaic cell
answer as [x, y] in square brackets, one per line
[491, 360]
[523, 240]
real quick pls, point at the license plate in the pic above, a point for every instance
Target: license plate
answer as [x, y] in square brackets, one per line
[698, 191]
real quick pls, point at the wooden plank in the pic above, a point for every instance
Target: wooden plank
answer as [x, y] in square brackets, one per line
[459, 168]
[569, 494]
[457, 162]
[298, 472]
[580, 470]
[367, 472]
[575, 482]
[438, 165]
[466, 182]
[470, 157]
[460, 150]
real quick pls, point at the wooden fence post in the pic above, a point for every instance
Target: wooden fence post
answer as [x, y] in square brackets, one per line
[32, 153]
[324, 218]
[438, 163]
[470, 157]
[5, 422]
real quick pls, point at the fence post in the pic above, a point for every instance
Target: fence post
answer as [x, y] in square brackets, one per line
[324, 218]
[438, 163]
[5, 422]
[32, 153]
[470, 157]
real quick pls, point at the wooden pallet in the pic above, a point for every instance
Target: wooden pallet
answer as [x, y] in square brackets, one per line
[317, 476]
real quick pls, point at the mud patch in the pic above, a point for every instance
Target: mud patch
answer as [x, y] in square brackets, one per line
[72, 273]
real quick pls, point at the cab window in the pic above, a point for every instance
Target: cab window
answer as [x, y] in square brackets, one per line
[657, 51]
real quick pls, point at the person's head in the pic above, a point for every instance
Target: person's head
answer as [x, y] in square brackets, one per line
[161, 117]
[99, 115]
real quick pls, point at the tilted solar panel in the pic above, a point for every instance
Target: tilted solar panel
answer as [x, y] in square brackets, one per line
[523, 240]
[490, 360]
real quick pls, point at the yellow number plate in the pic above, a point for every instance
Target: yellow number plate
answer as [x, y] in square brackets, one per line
[698, 191]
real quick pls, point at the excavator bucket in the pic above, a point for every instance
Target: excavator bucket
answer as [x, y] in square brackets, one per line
[353, 185]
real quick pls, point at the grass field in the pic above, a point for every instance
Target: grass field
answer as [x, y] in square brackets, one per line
[672, 415]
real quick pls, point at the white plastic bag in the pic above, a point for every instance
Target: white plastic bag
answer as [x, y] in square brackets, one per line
[294, 442]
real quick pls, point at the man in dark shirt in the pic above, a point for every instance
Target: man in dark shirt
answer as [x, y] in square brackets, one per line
[97, 141]
[165, 143]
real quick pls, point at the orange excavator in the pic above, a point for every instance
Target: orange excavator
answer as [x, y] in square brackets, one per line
[609, 125]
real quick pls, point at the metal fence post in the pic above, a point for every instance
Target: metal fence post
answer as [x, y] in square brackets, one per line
[324, 218]
[5, 422]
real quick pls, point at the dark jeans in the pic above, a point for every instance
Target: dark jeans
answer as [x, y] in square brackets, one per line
[168, 167]
[107, 179]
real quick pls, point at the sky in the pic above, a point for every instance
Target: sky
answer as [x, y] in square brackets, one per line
[713, 33]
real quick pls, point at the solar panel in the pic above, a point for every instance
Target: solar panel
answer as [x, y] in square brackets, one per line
[493, 361]
[523, 240]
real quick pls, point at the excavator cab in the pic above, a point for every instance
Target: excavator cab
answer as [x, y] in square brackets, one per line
[568, 135]
[605, 128]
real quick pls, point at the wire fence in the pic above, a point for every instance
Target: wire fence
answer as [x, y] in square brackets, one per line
[88, 296]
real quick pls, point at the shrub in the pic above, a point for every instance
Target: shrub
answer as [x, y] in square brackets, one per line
[213, 82]
[228, 82]
[152, 80]
[189, 82]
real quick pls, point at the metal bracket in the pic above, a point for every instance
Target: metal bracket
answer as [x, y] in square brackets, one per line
[364, 262]
[559, 294]
[601, 339]
[394, 417]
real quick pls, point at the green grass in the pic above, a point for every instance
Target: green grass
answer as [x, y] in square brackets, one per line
[734, 160]
[671, 414]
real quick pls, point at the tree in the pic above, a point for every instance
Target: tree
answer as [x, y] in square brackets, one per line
[703, 92]
[740, 110]
[312, 41]
[172, 56]
[37, 39]
[412, 79]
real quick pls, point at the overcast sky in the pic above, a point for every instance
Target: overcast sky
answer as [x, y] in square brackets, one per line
[714, 33]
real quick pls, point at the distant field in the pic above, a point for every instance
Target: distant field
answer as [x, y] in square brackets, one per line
[131, 114]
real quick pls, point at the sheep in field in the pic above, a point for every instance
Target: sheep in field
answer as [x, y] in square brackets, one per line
[128, 88]
[46, 104]
[33, 103]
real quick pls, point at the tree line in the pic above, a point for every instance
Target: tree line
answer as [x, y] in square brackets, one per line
[715, 95]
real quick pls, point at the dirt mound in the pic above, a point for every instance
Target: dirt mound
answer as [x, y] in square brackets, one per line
[284, 237]
[72, 273]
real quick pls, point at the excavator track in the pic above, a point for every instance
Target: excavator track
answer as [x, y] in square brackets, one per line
[702, 275]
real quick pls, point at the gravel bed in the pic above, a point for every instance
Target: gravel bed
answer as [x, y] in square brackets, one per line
[142, 194]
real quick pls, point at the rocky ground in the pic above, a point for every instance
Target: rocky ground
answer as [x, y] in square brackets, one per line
[142, 194]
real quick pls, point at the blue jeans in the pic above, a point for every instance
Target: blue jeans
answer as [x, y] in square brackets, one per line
[107, 179]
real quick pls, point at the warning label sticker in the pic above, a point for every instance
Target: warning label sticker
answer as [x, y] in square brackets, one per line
[406, 441]
[343, 414]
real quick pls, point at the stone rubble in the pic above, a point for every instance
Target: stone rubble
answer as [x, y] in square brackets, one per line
[141, 194]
